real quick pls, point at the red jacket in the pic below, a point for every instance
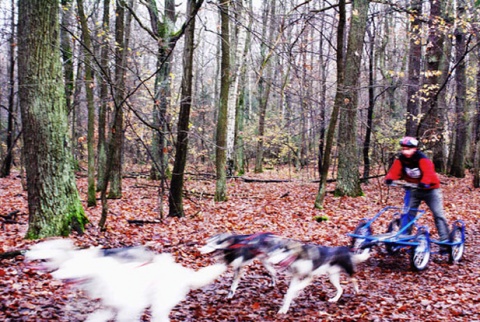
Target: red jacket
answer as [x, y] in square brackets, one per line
[416, 169]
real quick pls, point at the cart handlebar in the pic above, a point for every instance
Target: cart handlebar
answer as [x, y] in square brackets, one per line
[404, 184]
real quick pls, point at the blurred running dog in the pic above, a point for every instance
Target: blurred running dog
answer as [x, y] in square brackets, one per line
[129, 281]
[49, 255]
[240, 250]
[307, 261]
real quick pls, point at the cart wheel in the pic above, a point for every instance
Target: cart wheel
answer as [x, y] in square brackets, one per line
[420, 254]
[456, 251]
[393, 226]
[363, 230]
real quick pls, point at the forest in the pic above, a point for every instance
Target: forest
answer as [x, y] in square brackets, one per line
[130, 122]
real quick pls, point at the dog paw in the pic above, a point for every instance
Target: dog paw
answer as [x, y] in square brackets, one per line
[333, 300]
[283, 310]
[230, 295]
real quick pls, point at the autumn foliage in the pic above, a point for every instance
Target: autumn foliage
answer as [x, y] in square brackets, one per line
[389, 290]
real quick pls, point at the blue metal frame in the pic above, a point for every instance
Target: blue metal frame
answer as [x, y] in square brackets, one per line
[399, 238]
[408, 218]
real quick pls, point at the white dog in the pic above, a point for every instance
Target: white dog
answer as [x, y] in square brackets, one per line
[50, 254]
[127, 288]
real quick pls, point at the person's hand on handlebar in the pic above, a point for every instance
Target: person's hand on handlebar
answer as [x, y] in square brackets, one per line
[422, 185]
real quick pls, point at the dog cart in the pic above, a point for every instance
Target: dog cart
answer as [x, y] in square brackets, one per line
[399, 233]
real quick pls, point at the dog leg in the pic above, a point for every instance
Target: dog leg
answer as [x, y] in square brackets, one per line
[103, 315]
[335, 280]
[161, 315]
[237, 275]
[296, 285]
[271, 271]
[127, 314]
[355, 285]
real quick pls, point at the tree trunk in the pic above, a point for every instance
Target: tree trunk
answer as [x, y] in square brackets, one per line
[117, 135]
[348, 182]
[237, 44]
[221, 155]
[322, 189]
[176, 185]
[430, 128]
[241, 102]
[371, 106]
[476, 145]
[7, 162]
[67, 52]
[164, 31]
[458, 162]
[439, 157]
[414, 68]
[53, 200]
[87, 51]
[264, 82]
[113, 171]
[323, 95]
[104, 98]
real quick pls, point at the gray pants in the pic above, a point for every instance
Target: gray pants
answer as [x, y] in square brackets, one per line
[434, 200]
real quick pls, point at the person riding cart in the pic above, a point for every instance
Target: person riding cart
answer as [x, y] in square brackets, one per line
[414, 166]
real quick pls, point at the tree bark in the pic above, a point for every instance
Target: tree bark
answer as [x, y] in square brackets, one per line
[458, 161]
[53, 201]
[67, 53]
[237, 60]
[476, 145]
[414, 68]
[117, 135]
[241, 102]
[322, 189]
[104, 97]
[430, 129]
[7, 162]
[348, 183]
[371, 105]
[176, 185]
[221, 147]
[264, 82]
[164, 31]
[89, 84]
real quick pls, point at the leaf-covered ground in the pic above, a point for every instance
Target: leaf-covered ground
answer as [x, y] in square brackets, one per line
[390, 291]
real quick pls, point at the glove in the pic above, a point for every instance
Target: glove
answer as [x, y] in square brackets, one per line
[422, 185]
[388, 182]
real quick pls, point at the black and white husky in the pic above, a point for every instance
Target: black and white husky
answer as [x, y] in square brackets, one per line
[307, 261]
[240, 250]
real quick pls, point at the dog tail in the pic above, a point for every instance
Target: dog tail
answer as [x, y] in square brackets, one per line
[361, 257]
[207, 275]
